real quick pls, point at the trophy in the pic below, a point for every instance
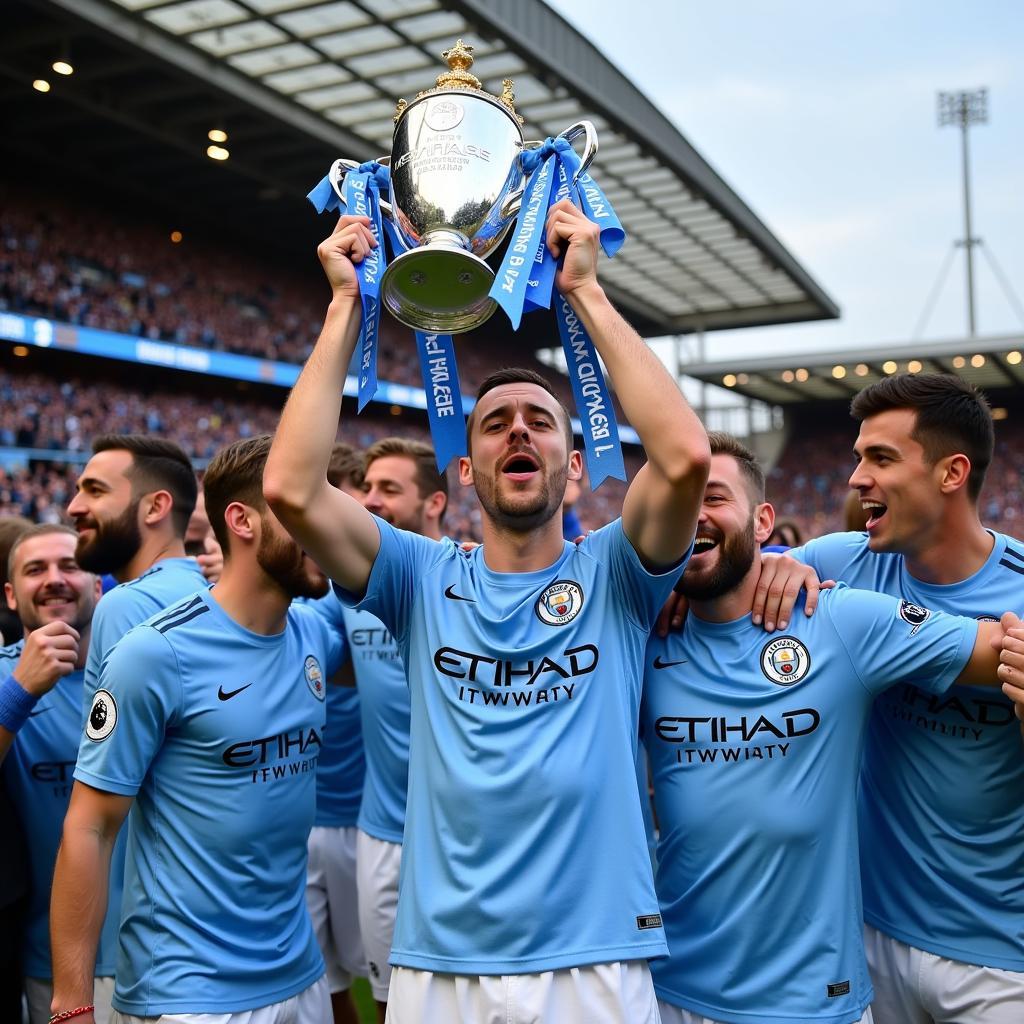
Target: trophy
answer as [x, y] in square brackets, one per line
[457, 182]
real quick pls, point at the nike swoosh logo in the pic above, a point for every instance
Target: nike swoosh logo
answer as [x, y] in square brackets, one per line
[452, 596]
[658, 663]
[41, 711]
[223, 694]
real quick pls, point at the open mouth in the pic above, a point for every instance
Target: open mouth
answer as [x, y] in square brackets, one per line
[875, 511]
[704, 543]
[520, 466]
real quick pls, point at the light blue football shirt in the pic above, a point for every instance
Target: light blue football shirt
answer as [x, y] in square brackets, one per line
[754, 740]
[385, 705]
[524, 845]
[942, 786]
[215, 731]
[341, 768]
[163, 584]
[118, 610]
[38, 776]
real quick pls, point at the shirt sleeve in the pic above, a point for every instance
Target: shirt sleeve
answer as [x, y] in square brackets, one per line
[890, 640]
[642, 593]
[393, 585]
[116, 613]
[138, 698]
[832, 557]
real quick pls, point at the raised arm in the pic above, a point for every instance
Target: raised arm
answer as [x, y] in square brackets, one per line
[336, 531]
[78, 901]
[659, 514]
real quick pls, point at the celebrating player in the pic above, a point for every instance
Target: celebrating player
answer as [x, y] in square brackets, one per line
[209, 717]
[54, 599]
[755, 741]
[943, 775]
[524, 851]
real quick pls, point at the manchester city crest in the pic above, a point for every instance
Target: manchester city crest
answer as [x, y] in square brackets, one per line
[314, 677]
[102, 716]
[785, 660]
[560, 603]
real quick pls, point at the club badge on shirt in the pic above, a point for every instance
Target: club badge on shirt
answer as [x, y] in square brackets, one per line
[785, 661]
[560, 603]
[314, 677]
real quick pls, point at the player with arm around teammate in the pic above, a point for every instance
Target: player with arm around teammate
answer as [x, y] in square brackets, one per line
[525, 874]
[206, 724]
[942, 776]
[754, 741]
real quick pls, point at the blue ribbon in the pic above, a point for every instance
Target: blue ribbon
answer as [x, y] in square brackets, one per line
[526, 281]
[444, 396]
[360, 197]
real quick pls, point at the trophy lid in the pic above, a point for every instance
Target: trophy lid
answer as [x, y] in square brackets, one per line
[458, 76]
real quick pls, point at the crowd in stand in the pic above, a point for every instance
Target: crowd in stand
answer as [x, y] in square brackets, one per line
[42, 412]
[87, 268]
[90, 268]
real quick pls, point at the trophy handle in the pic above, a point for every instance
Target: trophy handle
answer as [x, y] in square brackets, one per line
[586, 128]
[338, 171]
[572, 133]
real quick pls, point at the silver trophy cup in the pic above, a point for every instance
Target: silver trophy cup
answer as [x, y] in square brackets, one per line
[457, 184]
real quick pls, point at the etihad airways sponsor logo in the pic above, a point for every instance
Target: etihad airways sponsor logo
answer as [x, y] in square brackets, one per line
[299, 749]
[552, 673]
[734, 734]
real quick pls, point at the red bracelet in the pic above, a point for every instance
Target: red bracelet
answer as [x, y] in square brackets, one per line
[56, 1018]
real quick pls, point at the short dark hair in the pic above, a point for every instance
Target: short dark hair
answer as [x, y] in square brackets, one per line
[725, 444]
[11, 528]
[36, 530]
[952, 417]
[157, 465]
[519, 375]
[345, 467]
[429, 478]
[235, 473]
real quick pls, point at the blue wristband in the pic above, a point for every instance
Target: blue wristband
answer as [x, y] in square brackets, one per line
[15, 704]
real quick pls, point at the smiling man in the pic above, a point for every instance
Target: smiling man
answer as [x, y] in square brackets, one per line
[131, 510]
[526, 886]
[755, 741]
[54, 599]
[943, 775]
[207, 724]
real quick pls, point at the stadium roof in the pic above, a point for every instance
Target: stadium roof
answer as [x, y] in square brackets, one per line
[993, 362]
[298, 82]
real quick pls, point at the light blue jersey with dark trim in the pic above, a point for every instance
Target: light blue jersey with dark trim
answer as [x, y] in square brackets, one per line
[524, 846]
[754, 741]
[163, 584]
[942, 786]
[38, 776]
[215, 731]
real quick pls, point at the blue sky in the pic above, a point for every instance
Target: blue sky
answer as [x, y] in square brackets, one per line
[822, 117]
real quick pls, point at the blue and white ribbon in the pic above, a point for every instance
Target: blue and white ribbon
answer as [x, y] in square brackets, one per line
[526, 281]
[360, 195]
[444, 396]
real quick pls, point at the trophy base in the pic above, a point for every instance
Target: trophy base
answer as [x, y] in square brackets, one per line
[439, 288]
